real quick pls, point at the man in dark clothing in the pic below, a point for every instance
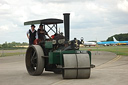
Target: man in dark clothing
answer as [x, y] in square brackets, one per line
[32, 35]
[42, 33]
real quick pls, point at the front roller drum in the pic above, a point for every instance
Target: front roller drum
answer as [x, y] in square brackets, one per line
[76, 66]
[83, 66]
[69, 61]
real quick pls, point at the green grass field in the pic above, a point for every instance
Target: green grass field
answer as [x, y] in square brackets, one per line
[119, 50]
[13, 52]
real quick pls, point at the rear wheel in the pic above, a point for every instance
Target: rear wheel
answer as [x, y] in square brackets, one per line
[34, 60]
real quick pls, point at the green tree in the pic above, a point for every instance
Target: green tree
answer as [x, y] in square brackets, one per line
[12, 45]
[119, 37]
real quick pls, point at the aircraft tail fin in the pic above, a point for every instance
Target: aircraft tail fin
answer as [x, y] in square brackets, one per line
[97, 40]
[114, 39]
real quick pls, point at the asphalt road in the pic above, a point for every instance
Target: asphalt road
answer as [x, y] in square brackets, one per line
[110, 70]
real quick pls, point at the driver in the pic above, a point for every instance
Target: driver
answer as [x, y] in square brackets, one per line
[41, 33]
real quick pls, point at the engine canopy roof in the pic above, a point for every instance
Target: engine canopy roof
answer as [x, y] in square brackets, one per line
[44, 21]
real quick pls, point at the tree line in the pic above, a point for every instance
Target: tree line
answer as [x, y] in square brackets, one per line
[13, 45]
[119, 37]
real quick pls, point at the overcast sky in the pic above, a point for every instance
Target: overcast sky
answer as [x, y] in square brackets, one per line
[91, 19]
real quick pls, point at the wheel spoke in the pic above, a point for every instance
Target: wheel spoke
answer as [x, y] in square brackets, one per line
[34, 59]
[33, 54]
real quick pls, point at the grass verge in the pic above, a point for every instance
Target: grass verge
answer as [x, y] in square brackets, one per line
[12, 54]
[119, 50]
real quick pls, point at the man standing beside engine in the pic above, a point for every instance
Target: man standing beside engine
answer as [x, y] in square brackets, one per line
[32, 34]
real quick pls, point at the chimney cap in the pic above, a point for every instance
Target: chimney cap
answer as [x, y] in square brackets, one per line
[66, 13]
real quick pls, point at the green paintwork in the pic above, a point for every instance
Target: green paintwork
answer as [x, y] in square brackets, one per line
[48, 44]
[56, 57]
[89, 52]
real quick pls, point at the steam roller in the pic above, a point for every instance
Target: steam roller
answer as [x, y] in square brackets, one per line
[59, 54]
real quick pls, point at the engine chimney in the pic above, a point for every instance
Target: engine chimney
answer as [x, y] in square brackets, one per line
[67, 26]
